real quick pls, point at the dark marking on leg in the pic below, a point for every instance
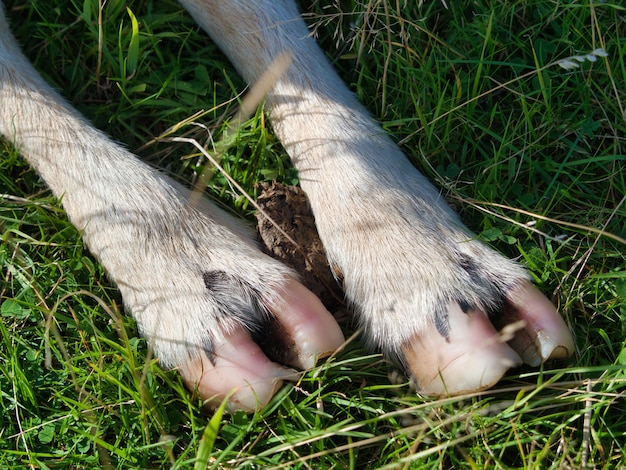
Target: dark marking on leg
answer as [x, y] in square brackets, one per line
[469, 265]
[235, 298]
[487, 287]
[465, 305]
[209, 349]
[214, 280]
[442, 322]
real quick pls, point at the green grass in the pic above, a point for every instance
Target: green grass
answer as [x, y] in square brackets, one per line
[530, 154]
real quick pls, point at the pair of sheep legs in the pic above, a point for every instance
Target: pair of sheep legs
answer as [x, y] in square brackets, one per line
[423, 289]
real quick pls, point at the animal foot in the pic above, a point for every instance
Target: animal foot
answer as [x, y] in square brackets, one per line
[206, 298]
[455, 313]
[471, 355]
[234, 362]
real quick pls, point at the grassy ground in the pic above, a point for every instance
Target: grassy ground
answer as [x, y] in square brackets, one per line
[530, 153]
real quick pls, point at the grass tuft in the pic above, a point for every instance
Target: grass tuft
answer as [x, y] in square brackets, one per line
[531, 154]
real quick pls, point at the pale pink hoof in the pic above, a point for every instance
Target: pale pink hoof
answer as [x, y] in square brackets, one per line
[471, 358]
[237, 368]
[474, 356]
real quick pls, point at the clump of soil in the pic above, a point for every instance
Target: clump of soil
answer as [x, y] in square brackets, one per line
[289, 209]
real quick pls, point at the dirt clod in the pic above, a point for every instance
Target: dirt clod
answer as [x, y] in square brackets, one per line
[289, 208]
